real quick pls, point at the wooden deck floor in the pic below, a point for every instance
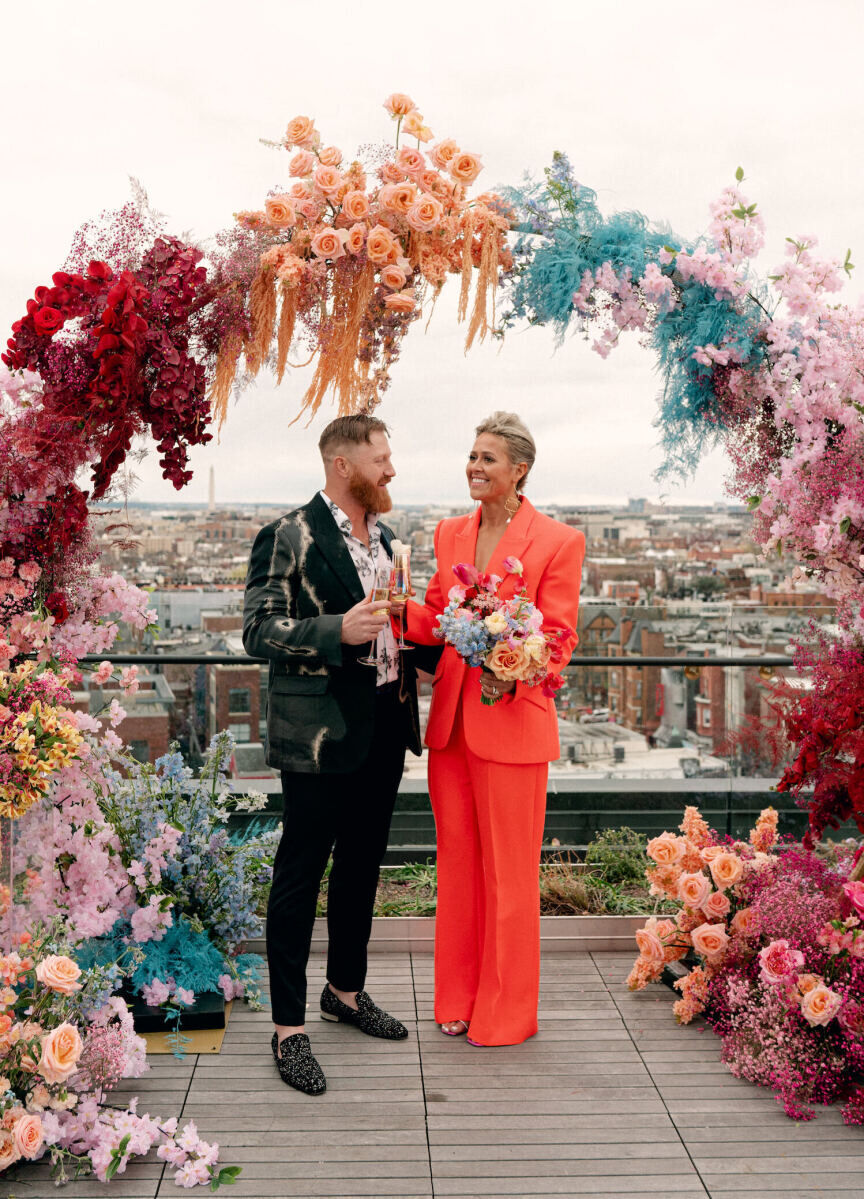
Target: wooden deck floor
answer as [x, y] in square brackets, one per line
[610, 1099]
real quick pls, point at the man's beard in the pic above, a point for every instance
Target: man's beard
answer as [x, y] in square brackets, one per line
[368, 495]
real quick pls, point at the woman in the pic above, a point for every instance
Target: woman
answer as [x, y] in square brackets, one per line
[488, 766]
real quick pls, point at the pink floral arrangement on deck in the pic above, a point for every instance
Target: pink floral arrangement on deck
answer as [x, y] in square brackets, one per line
[348, 251]
[778, 944]
[504, 636]
[65, 1044]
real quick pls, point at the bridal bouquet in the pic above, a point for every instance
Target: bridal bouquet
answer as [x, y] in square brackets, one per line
[503, 636]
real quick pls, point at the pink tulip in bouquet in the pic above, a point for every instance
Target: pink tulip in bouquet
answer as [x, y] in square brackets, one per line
[503, 636]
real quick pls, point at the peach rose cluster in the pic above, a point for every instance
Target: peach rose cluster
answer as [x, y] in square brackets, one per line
[412, 227]
[660, 942]
[21, 1135]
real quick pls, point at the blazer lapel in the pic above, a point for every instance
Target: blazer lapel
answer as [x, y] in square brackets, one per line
[513, 543]
[464, 547]
[331, 544]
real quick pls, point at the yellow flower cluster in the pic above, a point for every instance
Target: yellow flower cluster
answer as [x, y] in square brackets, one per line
[35, 744]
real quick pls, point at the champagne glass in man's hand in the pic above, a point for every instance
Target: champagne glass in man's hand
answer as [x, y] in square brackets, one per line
[400, 587]
[380, 604]
[364, 621]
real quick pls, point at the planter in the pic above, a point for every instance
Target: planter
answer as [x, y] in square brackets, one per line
[208, 1011]
[558, 934]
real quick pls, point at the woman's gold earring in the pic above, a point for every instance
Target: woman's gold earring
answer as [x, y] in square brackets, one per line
[511, 505]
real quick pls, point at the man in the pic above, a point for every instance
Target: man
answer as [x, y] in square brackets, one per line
[337, 730]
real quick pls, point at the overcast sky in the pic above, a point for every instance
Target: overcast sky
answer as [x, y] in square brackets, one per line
[656, 105]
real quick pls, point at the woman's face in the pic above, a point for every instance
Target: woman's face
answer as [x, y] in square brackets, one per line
[491, 474]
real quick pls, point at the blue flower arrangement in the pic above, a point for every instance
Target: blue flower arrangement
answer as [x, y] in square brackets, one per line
[199, 893]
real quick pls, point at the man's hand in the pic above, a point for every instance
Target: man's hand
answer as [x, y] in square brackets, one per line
[364, 621]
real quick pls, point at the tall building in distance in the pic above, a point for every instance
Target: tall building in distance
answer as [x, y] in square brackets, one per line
[211, 493]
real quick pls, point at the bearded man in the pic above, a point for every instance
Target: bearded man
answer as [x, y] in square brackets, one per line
[337, 729]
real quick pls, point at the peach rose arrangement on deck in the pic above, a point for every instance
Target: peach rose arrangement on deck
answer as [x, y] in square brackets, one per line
[503, 636]
[348, 250]
[775, 940]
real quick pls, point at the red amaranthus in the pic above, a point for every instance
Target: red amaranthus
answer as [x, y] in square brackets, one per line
[826, 724]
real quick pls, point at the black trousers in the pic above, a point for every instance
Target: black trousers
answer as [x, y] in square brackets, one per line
[348, 815]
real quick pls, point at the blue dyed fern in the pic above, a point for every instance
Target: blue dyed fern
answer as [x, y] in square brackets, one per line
[563, 235]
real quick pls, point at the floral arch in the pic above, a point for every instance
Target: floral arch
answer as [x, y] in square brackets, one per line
[142, 334]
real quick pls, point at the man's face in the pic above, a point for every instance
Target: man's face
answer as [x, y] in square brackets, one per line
[371, 470]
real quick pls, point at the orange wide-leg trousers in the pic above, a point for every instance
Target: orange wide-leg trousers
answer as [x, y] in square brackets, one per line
[489, 819]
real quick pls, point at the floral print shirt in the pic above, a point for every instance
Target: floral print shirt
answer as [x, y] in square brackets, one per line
[367, 559]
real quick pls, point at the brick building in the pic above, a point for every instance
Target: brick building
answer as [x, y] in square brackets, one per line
[237, 702]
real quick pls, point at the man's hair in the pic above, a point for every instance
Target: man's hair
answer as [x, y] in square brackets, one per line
[349, 430]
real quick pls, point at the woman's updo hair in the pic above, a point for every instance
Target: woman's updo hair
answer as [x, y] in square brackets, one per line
[514, 431]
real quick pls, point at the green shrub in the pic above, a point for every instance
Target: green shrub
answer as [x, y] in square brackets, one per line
[618, 855]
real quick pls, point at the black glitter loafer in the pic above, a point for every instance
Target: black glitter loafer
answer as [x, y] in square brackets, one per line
[368, 1018]
[296, 1064]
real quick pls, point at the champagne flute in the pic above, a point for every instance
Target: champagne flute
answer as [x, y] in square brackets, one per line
[380, 592]
[400, 588]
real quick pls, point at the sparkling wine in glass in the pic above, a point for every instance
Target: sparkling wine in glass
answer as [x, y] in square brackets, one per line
[380, 593]
[400, 588]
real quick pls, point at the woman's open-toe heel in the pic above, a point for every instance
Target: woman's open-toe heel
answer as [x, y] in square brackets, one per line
[454, 1028]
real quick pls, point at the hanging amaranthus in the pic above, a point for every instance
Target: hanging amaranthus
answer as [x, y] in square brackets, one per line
[353, 261]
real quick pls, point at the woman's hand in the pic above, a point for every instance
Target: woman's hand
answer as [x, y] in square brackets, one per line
[399, 602]
[492, 687]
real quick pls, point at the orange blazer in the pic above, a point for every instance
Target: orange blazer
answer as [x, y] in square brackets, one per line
[523, 726]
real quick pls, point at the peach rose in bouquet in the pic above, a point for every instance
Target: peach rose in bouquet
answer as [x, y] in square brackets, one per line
[301, 131]
[820, 1005]
[402, 302]
[59, 973]
[717, 905]
[710, 940]
[28, 1135]
[726, 870]
[508, 662]
[355, 205]
[302, 163]
[694, 889]
[399, 105]
[61, 1049]
[666, 850]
